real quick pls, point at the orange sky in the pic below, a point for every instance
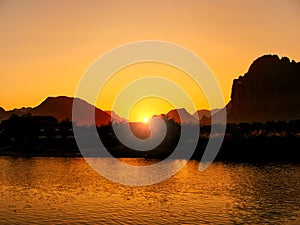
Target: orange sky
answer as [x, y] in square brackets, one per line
[46, 46]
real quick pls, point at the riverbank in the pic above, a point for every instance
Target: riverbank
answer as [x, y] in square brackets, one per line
[258, 149]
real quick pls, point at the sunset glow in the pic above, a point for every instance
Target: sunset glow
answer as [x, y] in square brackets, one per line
[149, 112]
[46, 46]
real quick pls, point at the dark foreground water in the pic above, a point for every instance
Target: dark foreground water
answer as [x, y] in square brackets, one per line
[67, 190]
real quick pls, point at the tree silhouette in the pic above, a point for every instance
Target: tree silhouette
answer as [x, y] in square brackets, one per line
[65, 128]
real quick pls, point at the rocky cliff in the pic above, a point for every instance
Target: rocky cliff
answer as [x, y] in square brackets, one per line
[269, 91]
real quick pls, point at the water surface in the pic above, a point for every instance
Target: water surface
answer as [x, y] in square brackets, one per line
[67, 190]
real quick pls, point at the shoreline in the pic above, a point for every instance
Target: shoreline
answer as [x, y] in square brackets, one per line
[279, 150]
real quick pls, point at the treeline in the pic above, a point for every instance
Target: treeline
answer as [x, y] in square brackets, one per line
[27, 128]
[29, 135]
[45, 136]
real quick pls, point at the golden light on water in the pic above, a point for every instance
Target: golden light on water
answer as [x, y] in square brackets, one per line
[223, 194]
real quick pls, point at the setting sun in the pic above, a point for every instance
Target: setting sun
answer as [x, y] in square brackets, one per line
[145, 109]
[150, 111]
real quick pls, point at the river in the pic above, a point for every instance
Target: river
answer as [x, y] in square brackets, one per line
[69, 191]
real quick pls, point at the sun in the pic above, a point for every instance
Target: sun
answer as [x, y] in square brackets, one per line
[146, 120]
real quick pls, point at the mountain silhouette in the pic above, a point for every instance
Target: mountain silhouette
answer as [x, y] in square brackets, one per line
[199, 114]
[61, 108]
[204, 116]
[269, 91]
[6, 114]
[115, 118]
[2, 113]
[184, 118]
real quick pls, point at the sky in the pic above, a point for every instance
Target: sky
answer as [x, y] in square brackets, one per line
[46, 46]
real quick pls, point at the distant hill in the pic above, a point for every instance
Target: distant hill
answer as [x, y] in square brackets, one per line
[2, 113]
[22, 111]
[204, 116]
[2, 110]
[61, 108]
[185, 117]
[269, 91]
[115, 118]
[199, 114]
